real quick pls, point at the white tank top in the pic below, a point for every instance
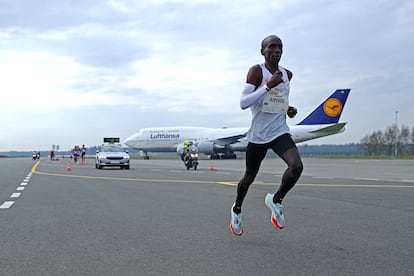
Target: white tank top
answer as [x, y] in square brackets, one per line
[265, 127]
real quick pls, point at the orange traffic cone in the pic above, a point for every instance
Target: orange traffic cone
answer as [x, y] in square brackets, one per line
[68, 168]
[211, 167]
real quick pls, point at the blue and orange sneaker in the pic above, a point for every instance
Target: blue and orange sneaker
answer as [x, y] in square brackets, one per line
[236, 224]
[277, 218]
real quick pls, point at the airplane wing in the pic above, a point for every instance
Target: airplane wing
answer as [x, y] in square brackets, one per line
[331, 129]
[229, 140]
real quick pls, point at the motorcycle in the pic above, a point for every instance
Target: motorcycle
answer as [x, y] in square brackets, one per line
[35, 155]
[191, 158]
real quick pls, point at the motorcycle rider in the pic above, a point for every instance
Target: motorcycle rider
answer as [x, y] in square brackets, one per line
[186, 148]
[191, 156]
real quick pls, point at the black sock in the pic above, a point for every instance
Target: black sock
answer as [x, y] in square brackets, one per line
[237, 209]
[277, 199]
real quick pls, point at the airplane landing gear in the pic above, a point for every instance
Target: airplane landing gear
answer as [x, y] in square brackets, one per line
[230, 155]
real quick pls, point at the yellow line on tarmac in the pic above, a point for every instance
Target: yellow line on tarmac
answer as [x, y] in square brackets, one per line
[329, 185]
[35, 166]
[357, 185]
[34, 170]
[227, 183]
[124, 178]
[117, 178]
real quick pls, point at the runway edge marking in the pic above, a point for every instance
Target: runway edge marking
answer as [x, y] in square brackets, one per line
[8, 204]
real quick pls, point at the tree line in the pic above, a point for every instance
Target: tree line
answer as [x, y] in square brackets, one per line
[393, 141]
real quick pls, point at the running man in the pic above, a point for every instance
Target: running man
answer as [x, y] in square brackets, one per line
[83, 153]
[266, 93]
[75, 153]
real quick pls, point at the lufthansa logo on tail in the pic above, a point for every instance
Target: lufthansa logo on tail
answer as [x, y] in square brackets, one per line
[332, 107]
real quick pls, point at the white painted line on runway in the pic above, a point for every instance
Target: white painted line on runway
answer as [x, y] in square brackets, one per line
[6, 205]
[322, 177]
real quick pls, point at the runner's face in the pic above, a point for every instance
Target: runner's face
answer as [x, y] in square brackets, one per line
[272, 50]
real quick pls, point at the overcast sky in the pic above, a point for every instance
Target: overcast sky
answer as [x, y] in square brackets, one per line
[74, 71]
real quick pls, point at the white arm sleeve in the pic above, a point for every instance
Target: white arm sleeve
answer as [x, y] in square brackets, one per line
[250, 96]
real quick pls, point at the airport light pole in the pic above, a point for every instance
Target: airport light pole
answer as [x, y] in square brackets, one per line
[396, 135]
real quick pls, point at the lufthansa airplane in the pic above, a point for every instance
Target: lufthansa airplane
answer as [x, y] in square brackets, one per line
[223, 142]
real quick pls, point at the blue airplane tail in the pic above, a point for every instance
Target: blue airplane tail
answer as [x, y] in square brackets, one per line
[329, 111]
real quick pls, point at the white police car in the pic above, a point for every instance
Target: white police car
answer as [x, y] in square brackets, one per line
[111, 155]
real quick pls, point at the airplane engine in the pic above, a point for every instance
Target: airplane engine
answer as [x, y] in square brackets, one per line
[180, 150]
[209, 148]
[238, 147]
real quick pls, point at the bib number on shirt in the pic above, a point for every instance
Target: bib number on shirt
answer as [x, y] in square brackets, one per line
[276, 101]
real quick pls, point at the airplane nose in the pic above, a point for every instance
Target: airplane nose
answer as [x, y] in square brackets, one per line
[129, 139]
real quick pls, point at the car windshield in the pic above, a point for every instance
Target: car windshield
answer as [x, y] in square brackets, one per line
[112, 149]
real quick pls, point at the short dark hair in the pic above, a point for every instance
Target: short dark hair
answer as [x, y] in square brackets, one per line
[269, 37]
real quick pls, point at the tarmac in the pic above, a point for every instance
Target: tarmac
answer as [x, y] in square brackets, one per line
[344, 217]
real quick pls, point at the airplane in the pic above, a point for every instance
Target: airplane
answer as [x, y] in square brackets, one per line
[221, 143]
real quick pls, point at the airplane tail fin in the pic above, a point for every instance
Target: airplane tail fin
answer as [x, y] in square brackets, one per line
[329, 111]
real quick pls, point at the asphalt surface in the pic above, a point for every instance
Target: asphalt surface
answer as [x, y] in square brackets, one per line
[344, 217]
